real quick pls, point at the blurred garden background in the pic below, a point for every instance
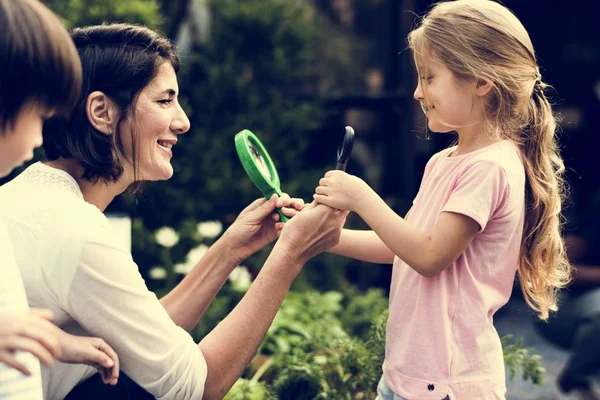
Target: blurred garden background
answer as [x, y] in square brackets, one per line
[295, 72]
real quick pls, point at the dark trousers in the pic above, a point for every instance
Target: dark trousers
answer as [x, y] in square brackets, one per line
[95, 389]
[576, 328]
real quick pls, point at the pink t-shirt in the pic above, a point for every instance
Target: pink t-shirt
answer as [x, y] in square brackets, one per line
[441, 340]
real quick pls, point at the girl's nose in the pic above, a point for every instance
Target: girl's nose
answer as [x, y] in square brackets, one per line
[418, 94]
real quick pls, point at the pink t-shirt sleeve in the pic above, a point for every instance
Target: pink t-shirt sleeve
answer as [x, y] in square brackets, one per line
[480, 192]
[428, 168]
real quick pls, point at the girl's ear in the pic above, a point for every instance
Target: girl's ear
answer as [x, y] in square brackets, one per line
[482, 87]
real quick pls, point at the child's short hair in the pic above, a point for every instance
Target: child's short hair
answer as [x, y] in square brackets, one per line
[38, 61]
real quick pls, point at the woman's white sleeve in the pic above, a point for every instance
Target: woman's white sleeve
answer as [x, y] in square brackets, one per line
[109, 299]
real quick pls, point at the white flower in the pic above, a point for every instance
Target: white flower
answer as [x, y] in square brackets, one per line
[210, 229]
[240, 278]
[157, 273]
[191, 259]
[166, 237]
[183, 268]
[196, 254]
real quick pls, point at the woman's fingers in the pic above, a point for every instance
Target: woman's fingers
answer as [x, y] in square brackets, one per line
[297, 203]
[290, 212]
[284, 200]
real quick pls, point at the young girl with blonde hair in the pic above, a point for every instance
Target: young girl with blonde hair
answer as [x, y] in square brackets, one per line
[488, 207]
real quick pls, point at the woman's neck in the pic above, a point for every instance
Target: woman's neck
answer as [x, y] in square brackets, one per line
[99, 193]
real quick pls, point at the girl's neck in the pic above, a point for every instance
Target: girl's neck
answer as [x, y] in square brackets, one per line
[98, 193]
[473, 138]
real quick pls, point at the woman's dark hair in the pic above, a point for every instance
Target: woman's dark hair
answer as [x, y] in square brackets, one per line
[38, 62]
[118, 60]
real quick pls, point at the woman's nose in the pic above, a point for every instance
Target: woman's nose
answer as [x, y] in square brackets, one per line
[181, 124]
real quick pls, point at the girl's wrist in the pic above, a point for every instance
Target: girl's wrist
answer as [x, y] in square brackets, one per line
[365, 199]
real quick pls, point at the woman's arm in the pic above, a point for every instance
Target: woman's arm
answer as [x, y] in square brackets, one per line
[188, 301]
[231, 345]
[253, 229]
[109, 299]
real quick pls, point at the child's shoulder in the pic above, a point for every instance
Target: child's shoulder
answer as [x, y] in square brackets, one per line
[504, 154]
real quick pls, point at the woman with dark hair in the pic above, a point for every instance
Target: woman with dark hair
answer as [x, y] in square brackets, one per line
[122, 131]
[40, 75]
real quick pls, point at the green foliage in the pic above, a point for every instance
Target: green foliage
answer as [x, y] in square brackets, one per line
[306, 322]
[312, 355]
[91, 12]
[516, 357]
[249, 390]
[361, 309]
[301, 379]
[257, 70]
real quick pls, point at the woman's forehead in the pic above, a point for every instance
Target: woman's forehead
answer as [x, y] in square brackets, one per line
[165, 80]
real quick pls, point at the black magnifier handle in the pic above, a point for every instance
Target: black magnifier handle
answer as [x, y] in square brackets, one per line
[345, 148]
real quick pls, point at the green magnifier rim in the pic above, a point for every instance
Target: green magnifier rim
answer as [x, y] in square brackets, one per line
[244, 140]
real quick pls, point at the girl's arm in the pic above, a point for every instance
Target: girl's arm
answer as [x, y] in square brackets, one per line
[364, 246]
[428, 254]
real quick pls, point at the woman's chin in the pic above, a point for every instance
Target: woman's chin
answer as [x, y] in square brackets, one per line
[159, 174]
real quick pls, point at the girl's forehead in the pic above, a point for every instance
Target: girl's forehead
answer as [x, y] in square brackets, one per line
[427, 59]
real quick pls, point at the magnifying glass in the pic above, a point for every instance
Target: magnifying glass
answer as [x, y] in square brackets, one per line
[258, 165]
[345, 148]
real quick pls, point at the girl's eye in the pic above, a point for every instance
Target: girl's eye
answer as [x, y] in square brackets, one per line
[167, 101]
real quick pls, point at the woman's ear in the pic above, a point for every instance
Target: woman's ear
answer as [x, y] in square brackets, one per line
[482, 87]
[102, 113]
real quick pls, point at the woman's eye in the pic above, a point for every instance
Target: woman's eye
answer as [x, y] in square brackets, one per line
[167, 101]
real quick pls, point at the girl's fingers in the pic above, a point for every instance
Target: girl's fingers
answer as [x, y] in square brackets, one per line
[320, 199]
[321, 190]
[324, 182]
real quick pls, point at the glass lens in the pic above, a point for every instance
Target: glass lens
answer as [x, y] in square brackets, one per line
[260, 162]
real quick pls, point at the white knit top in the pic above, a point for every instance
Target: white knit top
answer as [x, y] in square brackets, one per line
[72, 262]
